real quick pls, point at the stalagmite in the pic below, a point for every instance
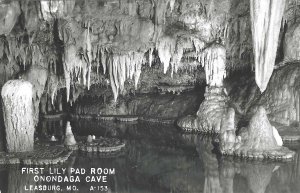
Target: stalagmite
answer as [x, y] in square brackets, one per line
[172, 4]
[69, 136]
[266, 17]
[18, 115]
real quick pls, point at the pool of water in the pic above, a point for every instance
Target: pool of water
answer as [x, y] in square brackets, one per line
[158, 158]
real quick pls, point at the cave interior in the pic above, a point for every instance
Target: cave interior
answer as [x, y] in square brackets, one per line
[218, 67]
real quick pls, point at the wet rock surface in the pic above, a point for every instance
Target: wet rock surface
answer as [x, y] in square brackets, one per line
[43, 154]
[257, 141]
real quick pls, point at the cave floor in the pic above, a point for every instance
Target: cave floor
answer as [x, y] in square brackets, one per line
[157, 158]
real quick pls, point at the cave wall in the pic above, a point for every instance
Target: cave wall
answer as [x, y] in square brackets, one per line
[281, 98]
[129, 47]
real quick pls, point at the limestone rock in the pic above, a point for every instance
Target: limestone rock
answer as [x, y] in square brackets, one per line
[260, 132]
[291, 45]
[18, 115]
[9, 14]
[260, 140]
[69, 138]
[281, 98]
[89, 139]
[210, 113]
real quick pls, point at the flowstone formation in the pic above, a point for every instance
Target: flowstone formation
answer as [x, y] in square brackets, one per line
[209, 115]
[260, 140]
[211, 110]
[18, 115]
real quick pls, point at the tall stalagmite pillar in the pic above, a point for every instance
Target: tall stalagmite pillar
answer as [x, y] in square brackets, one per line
[18, 115]
[214, 106]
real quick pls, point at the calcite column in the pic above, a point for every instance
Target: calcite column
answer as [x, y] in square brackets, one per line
[18, 115]
[212, 109]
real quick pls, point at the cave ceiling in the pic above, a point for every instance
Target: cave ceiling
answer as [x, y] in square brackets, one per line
[77, 38]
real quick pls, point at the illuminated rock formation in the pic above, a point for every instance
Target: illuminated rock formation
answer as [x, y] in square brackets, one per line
[266, 17]
[212, 109]
[69, 136]
[209, 115]
[133, 47]
[259, 140]
[56, 8]
[18, 115]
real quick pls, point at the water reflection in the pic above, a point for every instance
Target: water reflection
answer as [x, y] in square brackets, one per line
[160, 159]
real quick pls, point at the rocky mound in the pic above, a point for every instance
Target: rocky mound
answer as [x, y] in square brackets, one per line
[260, 140]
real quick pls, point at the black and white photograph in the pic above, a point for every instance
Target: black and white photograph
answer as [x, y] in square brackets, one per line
[150, 96]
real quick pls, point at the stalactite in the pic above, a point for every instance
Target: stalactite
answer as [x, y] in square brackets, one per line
[172, 4]
[73, 67]
[56, 8]
[122, 67]
[266, 17]
[198, 44]
[166, 48]
[88, 50]
[160, 11]
[103, 59]
[213, 59]
[176, 59]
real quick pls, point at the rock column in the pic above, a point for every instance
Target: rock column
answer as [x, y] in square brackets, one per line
[18, 115]
[214, 106]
